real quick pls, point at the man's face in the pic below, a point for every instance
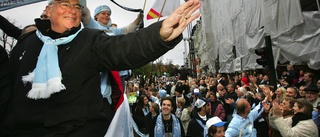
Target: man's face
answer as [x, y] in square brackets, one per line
[212, 98]
[310, 96]
[166, 107]
[207, 108]
[178, 94]
[253, 79]
[230, 89]
[62, 16]
[202, 82]
[239, 94]
[265, 78]
[291, 93]
[306, 78]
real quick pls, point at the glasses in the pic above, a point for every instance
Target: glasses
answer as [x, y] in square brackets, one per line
[68, 5]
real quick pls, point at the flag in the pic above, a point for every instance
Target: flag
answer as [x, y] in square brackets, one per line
[9, 4]
[162, 8]
[121, 124]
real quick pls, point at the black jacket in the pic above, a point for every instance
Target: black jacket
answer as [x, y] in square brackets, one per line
[194, 128]
[81, 61]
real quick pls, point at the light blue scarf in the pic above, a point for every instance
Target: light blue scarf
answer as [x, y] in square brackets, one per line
[46, 77]
[159, 130]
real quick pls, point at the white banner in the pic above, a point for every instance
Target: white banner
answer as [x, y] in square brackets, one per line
[9, 4]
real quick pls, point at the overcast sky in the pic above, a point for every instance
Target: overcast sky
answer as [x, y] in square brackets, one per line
[25, 15]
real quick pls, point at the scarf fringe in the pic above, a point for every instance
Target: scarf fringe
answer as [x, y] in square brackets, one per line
[28, 78]
[38, 91]
[43, 91]
[55, 86]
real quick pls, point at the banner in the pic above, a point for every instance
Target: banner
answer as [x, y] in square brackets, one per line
[121, 124]
[162, 8]
[9, 4]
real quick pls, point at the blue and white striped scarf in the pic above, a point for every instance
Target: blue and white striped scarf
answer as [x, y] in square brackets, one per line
[46, 77]
[159, 130]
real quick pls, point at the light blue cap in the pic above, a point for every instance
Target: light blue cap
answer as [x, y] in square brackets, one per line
[162, 93]
[101, 8]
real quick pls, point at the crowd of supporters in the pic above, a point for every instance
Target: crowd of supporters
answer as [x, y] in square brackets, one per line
[230, 105]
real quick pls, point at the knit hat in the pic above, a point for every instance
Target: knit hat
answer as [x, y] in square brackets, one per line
[162, 93]
[245, 80]
[81, 2]
[201, 102]
[100, 9]
[214, 121]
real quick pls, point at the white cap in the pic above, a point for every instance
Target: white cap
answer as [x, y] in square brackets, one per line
[196, 91]
[200, 102]
[214, 121]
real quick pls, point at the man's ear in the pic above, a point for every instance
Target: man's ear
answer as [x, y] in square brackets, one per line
[302, 109]
[47, 11]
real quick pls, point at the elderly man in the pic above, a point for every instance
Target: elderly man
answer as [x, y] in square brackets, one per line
[242, 122]
[312, 95]
[56, 70]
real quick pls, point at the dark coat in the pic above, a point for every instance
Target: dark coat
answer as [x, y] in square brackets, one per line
[78, 110]
[194, 128]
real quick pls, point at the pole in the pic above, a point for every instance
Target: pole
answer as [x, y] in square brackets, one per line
[164, 3]
[270, 63]
[144, 5]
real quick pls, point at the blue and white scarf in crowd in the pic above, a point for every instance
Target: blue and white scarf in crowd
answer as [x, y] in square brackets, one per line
[46, 77]
[159, 130]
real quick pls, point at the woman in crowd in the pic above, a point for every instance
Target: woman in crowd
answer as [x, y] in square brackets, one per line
[287, 112]
[151, 118]
[302, 124]
[183, 114]
[141, 110]
[280, 94]
[216, 107]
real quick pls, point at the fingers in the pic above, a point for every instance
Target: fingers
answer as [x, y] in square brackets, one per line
[174, 25]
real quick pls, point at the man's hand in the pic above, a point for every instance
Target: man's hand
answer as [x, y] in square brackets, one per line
[177, 21]
[229, 100]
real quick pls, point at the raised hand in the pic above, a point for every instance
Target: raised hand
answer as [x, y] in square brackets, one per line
[276, 110]
[177, 21]
[229, 100]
